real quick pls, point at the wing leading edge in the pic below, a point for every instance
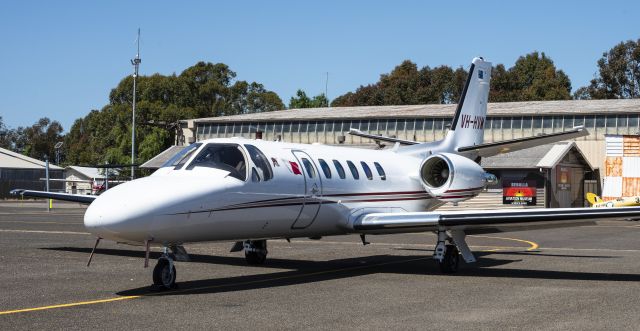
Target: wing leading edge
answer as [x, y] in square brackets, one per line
[506, 146]
[489, 221]
[56, 196]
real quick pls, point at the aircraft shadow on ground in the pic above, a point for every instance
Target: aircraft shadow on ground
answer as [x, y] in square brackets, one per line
[526, 253]
[303, 272]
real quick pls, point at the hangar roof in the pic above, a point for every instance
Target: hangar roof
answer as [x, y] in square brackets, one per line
[88, 172]
[13, 160]
[543, 156]
[562, 107]
[160, 159]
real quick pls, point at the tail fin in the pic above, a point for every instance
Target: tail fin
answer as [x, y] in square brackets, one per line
[593, 198]
[467, 128]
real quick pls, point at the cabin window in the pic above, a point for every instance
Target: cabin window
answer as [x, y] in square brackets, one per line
[381, 172]
[309, 168]
[354, 170]
[325, 168]
[367, 170]
[339, 169]
[262, 163]
[182, 157]
[226, 157]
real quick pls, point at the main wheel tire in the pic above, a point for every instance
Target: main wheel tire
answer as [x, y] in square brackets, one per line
[451, 260]
[163, 276]
[257, 257]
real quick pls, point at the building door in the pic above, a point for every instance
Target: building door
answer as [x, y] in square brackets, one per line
[313, 191]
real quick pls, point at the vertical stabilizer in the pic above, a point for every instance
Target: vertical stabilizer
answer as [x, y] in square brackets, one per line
[467, 128]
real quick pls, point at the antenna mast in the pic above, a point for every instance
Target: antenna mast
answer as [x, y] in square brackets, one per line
[136, 63]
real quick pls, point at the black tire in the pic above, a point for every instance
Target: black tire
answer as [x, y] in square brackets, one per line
[451, 260]
[257, 257]
[162, 277]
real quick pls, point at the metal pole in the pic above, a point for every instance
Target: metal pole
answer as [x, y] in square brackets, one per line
[326, 88]
[136, 64]
[46, 174]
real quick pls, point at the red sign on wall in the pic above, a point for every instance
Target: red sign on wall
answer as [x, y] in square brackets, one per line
[519, 192]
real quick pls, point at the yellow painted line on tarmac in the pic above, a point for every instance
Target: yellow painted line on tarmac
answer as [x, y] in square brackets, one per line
[45, 232]
[129, 297]
[294, 276]
[532, 245]
[73, 304]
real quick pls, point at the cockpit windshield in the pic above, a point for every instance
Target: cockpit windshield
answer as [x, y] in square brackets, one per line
[181, 157]
[227, 157]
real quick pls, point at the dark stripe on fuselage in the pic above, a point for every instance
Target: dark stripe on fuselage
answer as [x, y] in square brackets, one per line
[291, 201]
[462, 97]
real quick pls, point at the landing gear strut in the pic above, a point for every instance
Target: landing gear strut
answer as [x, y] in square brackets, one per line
[448, 250]
[164, 273]
[255, 251]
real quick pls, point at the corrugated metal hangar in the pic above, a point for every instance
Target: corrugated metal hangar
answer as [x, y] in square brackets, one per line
[561, 173]
[507, 120]
[19, 171]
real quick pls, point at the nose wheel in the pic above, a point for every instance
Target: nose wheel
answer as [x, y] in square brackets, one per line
[255, 251]
[164, 273]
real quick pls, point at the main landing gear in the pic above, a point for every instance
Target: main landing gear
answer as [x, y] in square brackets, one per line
[448, 251]
[255, 251]
[164, 273]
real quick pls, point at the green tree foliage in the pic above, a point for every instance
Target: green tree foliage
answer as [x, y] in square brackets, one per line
[301, 100]
[38, 140]
[406, 85]
[618, 74]
[12, 139]
[533, 77]
[203, 90]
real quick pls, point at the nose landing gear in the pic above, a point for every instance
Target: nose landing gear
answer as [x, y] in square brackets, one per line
[164, 273]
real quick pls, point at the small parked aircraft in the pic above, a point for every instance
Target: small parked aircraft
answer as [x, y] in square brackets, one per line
[249, 191]
[597, 202]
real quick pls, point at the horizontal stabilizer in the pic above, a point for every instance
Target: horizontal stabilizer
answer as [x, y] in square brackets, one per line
[489, 221]
[356, 132]
[56, 196]
[506, 146]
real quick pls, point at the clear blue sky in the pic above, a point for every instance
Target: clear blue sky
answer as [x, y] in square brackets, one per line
[60, 59]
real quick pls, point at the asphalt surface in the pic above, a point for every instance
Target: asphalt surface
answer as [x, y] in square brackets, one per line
[585, 278]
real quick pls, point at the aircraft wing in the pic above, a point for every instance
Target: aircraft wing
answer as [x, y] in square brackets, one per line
[56, 196]
[506, 146]
[356, 132]
[489, 221]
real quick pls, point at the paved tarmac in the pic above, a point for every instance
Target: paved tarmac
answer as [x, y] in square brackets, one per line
[585, 278]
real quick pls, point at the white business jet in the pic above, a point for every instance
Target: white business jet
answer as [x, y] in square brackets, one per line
[249, 191]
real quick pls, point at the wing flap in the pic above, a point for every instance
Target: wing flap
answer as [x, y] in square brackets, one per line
[506, 146]
[56, 196]
[490, 221]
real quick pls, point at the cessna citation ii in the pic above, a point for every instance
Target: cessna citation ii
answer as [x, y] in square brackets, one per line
[248, 191]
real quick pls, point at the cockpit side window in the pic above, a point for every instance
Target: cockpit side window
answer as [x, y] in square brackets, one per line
[260, 160]
[178, 160]
[226, 157]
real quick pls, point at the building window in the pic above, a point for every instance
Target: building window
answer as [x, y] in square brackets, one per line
[339, 169]
[517, 123]
[354, 170]
[589, 122]
[325, 168]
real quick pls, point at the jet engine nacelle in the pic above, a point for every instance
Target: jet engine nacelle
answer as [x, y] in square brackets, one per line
[452, 178]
